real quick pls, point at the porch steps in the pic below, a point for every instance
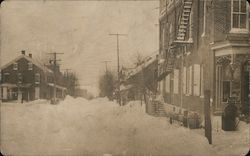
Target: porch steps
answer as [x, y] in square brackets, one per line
[159, 110]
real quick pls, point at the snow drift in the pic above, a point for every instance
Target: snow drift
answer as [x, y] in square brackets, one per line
[96, 127]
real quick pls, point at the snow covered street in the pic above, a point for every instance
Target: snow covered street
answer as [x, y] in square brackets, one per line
[100, 127]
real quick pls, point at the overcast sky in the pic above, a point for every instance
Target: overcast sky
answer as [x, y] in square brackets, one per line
[80, 30]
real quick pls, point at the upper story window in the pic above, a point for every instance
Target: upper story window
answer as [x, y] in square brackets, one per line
[30, 66]
[20, 77]
[15, 66]
[239, 16]
[6, 77]
[37, 78]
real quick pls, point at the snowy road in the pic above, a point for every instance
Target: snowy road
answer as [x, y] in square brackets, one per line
[99, 127]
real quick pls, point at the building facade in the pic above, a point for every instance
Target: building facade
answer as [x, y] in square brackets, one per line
[25, 78]
[204, 45]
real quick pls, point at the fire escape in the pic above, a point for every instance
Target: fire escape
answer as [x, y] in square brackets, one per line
[182, 37]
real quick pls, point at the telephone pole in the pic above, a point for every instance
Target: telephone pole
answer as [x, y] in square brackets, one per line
[118, 64]
[54, 61]
[106, 65]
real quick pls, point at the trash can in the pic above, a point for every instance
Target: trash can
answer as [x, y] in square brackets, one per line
[193, 121]
[229, 117]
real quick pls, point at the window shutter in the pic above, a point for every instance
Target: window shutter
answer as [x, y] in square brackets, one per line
[202, 82]
[184, 80]
[190, 73]
[168, 84]
[197, 80]
[176, 81]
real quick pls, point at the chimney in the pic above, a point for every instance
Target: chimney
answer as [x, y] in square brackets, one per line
[23, 52]
[30, 55]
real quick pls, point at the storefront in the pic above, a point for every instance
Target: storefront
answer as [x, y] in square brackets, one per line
[232, 79]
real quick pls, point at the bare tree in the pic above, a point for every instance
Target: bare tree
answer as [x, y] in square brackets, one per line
[107, 85]
[139, 81]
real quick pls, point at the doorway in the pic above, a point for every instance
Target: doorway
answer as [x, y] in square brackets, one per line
[245, 89]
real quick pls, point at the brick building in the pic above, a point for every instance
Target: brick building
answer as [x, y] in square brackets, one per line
[28, 79]
[204, 45]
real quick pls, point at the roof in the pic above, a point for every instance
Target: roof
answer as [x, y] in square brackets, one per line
[32, 60]
[145, 64]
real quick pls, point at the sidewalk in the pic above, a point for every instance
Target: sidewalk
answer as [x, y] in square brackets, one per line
[228, 143]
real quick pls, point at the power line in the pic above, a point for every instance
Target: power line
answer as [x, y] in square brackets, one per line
[118, 64]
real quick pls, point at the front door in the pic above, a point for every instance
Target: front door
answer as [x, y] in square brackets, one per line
[245, 96]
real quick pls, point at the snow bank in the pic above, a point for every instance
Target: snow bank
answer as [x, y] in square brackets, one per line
[77, 126]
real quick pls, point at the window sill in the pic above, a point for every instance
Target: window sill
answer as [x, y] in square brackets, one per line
[239, 31]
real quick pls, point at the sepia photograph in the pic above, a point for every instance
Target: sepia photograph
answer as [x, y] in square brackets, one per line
[124, 77]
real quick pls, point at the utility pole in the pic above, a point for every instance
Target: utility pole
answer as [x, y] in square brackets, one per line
[106, 65]
[54, 60]
[118, 64]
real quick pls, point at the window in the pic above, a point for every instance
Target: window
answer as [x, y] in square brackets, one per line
[6, 77]
[239, 14]
[15, 66]
[19, 78]
[176, 81]
[30, 66]
[37, 78]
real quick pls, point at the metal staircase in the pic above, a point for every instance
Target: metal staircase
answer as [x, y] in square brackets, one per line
[181, 37]
[184, 21]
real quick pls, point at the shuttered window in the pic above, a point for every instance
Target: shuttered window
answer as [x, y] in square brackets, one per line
[15, 66]
[30, 66]
[196, 80]
[37, 78]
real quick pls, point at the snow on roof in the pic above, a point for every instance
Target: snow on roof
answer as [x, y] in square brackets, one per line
[137, 69]
[32, 60]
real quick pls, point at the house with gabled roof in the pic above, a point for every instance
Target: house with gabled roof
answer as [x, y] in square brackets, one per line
[25, 78]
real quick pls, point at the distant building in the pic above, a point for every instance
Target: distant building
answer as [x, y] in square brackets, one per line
[139, 80]
[204, 45]
[25, 78]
